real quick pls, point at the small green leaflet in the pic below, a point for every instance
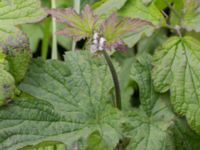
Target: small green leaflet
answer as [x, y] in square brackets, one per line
[176, 68]
[69, 101]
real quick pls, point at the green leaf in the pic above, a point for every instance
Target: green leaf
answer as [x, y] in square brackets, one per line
[148, 125]
[137, 9]
[7, 86]
[34, 33]
[162, 4]
[149, 44]
[151, 132]
[176, 69]
[184, 137]
[109, 6]
[13, 42]
[70, 100]
[77, 26]
[141, 74]
[18, 56]
[46, 146]
[113, 29]
[146, 2]
[16, 12]
[95, 142]
[132, 38]
[125, 83]
[187, 14]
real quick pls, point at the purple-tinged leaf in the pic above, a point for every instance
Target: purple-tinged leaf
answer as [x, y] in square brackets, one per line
[74, 33]
[68, 16]
[89, 18]
[77, 26]
[117, 44]
[114, 27]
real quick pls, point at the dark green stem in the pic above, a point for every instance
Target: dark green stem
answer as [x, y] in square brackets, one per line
[115, 80]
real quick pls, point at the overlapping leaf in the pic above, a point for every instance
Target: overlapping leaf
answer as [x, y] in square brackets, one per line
[16, 12]
[70, 100]
[187, 14]
[108, 6]
[184, 137]
[176, 68]
[137, 9]
[149, 124]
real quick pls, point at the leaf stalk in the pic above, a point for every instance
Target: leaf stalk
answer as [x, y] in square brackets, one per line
[115, 80]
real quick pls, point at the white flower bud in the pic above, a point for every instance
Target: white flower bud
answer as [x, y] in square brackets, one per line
[102, 43]
[95, 42]
[95, 36]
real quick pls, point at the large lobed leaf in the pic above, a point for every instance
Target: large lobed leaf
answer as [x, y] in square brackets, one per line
[176, 68]
[153, 125]
[69, 101]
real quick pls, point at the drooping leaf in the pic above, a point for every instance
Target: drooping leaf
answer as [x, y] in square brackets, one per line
[176, 68]
[148, 125]
[70, 100]
[137, 9]
[77, 26]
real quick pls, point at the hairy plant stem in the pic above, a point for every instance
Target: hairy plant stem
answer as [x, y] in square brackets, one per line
[115, 80]
[77, 4]
[54, 54]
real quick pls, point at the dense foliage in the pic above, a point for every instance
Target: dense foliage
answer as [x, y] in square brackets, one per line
[129, 77]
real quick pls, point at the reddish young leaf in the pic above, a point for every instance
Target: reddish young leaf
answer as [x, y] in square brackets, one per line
[114, 28]
[77, 26]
